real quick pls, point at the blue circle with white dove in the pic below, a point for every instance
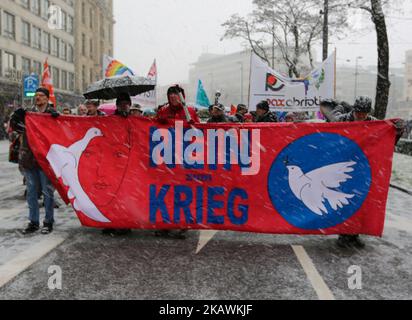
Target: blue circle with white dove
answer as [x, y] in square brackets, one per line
[319, 181]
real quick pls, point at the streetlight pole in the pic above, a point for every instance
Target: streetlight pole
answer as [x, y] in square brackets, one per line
[356, 75]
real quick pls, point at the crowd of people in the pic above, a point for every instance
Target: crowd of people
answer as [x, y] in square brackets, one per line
[37, 181]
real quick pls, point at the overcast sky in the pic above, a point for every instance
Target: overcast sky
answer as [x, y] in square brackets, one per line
[176, 32]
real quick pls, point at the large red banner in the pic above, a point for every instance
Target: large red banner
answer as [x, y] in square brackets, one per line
[329, 178]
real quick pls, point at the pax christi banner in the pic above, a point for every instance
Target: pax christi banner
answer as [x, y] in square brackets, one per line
[329, 178]
[286, 94]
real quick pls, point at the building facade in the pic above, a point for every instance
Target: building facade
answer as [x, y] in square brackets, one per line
[94, 38]
[27, 38]
[72, 35]
[408, 76]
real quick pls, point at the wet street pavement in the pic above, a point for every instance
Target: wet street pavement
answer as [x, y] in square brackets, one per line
[207, 265]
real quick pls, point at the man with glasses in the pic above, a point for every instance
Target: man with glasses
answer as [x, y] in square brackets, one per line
[35, 177]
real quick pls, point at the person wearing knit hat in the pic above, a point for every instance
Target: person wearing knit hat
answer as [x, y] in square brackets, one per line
[123, 104]
[263, 113]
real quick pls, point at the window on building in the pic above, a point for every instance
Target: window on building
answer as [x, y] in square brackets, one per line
[25, 65]
[9, 61]
[36, 38]
[55, 47]
[70, 53]
[91, 79]
[64, 80]
[46, 42]
[64, 21]
[71, 82]
[35, 7]
[25, 33]
[91, 48]
[45, 4]
[83, 44]
[84, 77]
[70, 24]
[56, 77]
[91, 18]
[37, 68]
[25, 3]
[83, 13]
[63, 50]
[9, 27]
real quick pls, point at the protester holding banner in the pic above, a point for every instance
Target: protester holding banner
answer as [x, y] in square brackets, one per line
[174, 109]
[263, 114]
[35, 177]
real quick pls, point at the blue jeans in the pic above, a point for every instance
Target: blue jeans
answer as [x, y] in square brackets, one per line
[36, 180]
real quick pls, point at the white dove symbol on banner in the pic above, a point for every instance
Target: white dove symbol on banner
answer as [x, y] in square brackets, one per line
[315, 187]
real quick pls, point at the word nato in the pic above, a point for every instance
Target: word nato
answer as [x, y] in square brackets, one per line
[192, 149]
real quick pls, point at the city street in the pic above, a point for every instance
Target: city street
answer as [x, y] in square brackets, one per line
[221, 266]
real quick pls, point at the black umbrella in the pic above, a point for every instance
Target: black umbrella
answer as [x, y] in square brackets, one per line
[110, 88]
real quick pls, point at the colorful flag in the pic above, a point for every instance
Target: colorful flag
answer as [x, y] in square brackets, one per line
[328, 178]
[202, 101]
[47, 82]
[113, 67]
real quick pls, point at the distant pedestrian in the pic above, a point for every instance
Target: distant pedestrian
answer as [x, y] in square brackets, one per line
[136, 110]
[82, 110]
[217, 114]
[67, 111]
[93, 108]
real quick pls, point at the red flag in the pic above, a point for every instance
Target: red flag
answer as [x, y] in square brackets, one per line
[153, 71]
[47, 82]
[306, 178]
[233, 110]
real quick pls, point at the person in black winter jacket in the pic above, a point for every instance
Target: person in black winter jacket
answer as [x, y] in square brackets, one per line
[35, 177]
[263, 113]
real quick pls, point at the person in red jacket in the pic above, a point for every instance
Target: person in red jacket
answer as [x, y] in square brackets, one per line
[169, 113]
[174, 109]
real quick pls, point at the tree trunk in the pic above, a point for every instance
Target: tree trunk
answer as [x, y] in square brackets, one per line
[325, 29]
[383, 82]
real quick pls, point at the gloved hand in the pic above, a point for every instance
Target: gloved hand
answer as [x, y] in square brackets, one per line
[17, 120]
[55, 114]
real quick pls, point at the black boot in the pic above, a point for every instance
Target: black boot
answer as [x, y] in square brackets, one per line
[47, 228]
[349, 241]
[31, 228]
